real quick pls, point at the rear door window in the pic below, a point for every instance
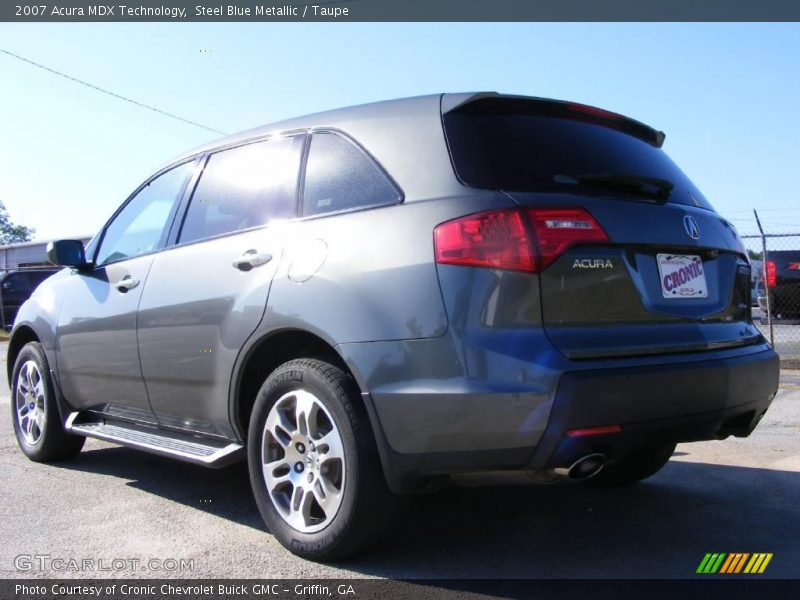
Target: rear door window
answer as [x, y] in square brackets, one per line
[341, 176]
[245, 187]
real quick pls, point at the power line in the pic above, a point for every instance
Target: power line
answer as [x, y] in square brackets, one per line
[772, 224]
[747, 210]
[110, 93]
[738, 220]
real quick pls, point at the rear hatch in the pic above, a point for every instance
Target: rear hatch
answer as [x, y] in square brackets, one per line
[632, 258]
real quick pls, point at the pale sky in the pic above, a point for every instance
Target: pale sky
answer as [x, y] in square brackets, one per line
[727, 96]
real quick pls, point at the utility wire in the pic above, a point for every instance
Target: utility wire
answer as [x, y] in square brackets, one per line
[117, 96]
[747, 210]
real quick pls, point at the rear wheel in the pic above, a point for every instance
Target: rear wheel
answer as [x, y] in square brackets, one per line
[313, 463]
[634, 467]
[37, 422]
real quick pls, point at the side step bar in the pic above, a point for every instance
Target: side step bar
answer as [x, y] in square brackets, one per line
[189, 448]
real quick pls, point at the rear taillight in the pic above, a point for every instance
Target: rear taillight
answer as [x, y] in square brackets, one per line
[771, 273]
[558, 229]
[497, 239]
[514, 239]
[794, 266]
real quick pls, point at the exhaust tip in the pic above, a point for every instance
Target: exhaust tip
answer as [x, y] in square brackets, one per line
[583, 468]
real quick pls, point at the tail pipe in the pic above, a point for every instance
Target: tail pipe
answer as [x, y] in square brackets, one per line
[583, 468]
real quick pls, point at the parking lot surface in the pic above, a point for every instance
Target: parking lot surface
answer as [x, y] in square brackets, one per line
[737, 495]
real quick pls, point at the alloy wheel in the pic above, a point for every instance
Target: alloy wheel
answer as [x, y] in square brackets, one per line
[303, 461]
[30, 403]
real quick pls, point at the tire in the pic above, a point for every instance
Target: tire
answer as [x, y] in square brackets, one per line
[634, 467]
[326, 498]
[34, 412]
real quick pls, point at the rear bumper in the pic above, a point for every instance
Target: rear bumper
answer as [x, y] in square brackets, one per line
[432, 426]
[660, 403]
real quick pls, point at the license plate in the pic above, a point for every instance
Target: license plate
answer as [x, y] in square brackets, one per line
[682, 276]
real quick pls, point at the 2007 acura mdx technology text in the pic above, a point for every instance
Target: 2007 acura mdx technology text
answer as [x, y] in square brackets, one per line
[374, 300]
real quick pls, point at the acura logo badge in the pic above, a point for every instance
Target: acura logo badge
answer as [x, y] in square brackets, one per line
[691, 227]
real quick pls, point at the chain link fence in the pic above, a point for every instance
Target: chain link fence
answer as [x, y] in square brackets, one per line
[775, 290]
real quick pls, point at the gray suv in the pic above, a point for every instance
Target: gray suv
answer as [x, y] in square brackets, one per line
[379, 300]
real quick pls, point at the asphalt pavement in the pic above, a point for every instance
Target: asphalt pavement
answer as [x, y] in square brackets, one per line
[127, 513]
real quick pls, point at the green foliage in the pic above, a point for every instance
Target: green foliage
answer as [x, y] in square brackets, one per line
[755, 255]
[11, 233]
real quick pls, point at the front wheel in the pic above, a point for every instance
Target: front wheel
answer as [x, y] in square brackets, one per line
[37, 422]
[313, 462]
[638, 465]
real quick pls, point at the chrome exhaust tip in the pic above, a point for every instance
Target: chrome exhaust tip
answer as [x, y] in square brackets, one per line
[583, 468]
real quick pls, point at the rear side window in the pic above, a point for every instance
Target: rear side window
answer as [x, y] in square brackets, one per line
[497, 145]
[341, 176]
[244, 187]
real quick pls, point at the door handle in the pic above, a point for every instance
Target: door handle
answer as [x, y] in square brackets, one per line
[251, 259]
[126, 283]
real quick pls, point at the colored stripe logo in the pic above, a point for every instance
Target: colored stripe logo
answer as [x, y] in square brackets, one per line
[734, 562]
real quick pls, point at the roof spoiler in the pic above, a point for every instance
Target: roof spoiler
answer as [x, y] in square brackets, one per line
[488, 102]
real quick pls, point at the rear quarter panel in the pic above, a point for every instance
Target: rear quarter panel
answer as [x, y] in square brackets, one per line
[365, 276]
[365, 281]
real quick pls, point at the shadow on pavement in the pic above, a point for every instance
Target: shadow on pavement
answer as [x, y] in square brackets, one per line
[224, 493]
[658, 528]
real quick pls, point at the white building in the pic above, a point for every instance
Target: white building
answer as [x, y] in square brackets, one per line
[28, 254]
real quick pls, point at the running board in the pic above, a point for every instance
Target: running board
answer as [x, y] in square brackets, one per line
[189, 448]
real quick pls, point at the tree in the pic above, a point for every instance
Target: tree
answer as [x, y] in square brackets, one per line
[11, 233]
[755, 255]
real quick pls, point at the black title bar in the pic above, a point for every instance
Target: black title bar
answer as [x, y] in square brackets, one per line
[342, 11]
[708, 588]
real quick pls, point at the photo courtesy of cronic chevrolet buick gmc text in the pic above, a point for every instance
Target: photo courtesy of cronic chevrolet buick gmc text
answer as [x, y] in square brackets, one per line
[381, 299]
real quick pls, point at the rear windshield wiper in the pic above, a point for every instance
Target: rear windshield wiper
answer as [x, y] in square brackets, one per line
[659, 189]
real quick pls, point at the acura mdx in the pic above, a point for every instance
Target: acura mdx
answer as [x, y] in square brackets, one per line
[379, 300]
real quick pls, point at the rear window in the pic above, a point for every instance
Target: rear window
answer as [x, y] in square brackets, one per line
[520, 150]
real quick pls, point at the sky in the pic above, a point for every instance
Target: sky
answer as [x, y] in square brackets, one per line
[727, 96]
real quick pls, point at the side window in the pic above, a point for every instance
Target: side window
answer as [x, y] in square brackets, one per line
[341, 176]
[16, 282]
[138, 228]
[247, 186]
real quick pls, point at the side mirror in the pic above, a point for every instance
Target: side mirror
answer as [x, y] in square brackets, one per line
[66, 253]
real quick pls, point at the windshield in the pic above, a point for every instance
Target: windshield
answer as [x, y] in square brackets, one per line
[533, 152]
